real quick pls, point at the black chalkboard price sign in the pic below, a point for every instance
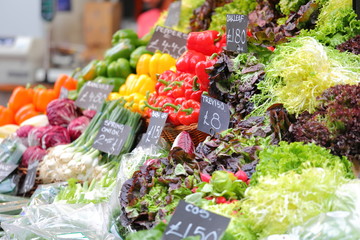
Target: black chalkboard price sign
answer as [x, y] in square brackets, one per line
[236, 25]
[64, 92]
[356, 7]
[190, 220]
[30, 177]
[214, 115]
[92, 95]
[6, 170]
[155, 128]
[168, 41]
[111, 137]
[173, 16]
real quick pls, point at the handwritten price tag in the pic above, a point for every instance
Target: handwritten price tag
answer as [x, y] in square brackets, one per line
[93, 95]
[236, 25]
[30, 177]
[6, 170]
[111, 137]
[190, 220]
[173, 16]
[155, 128]
[168, 41]
[64, 93]
[214, 115]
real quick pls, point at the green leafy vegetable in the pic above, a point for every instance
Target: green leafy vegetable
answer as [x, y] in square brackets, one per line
[218, 19]
[300, 71]
[290, 199]
[336, 24]
[289, 6]
[297, 156]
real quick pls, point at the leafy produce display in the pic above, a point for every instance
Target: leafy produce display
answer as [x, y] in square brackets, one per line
[154, 191]
[300, 71]
[284, 169]
[335, 123]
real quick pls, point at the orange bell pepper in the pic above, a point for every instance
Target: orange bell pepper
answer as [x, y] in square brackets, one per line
[24, 113]
[42, 98]
[64, 81]
[20, 97]
[6, 116]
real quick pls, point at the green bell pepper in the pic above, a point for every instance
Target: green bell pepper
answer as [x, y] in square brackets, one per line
[119, 68]
[101, 69]
[121, 50]
[124, 34]
[116, 82]
[136, 54]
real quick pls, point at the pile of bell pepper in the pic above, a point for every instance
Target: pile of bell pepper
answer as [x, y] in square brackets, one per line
[118, 63]
[26, 102]
[138, 86]
[179, 94]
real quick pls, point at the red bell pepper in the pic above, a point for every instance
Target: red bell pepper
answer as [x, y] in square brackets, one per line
[220, 45]
[189, 112]
[187, 62]
[172, 110]
[203, 77]
[203, 42]
[196, 95]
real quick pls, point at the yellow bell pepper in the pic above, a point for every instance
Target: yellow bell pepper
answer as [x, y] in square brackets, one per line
[159, 63]
[143, 84]
[142, 66]
[114, 96]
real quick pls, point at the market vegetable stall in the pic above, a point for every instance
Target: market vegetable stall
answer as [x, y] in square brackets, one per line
[285, 167]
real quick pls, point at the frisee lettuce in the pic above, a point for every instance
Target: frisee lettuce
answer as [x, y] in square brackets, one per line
[300, 71]
[278, 203]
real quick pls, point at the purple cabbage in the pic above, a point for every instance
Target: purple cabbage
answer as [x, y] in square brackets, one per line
[35, 135]
[77, 126]
[32, 154]
[24, 131]
[61, 112]
[53, 136]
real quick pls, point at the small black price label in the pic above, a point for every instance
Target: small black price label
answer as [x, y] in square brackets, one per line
[30, 177]
[111, 137]
[64, 92]
[155, 128]
[236, 25]
[190, 220]
[214, 115]
[92, 95]
[48, 9]
[173, 16]
[6, 170]
[356, 7]
[168, 41]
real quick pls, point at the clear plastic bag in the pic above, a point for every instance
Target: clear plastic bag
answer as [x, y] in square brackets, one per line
[61, 221]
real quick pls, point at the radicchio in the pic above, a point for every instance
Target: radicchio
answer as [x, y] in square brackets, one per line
[60, 112]
[32, 154]
[53, 136]
[77, 127]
